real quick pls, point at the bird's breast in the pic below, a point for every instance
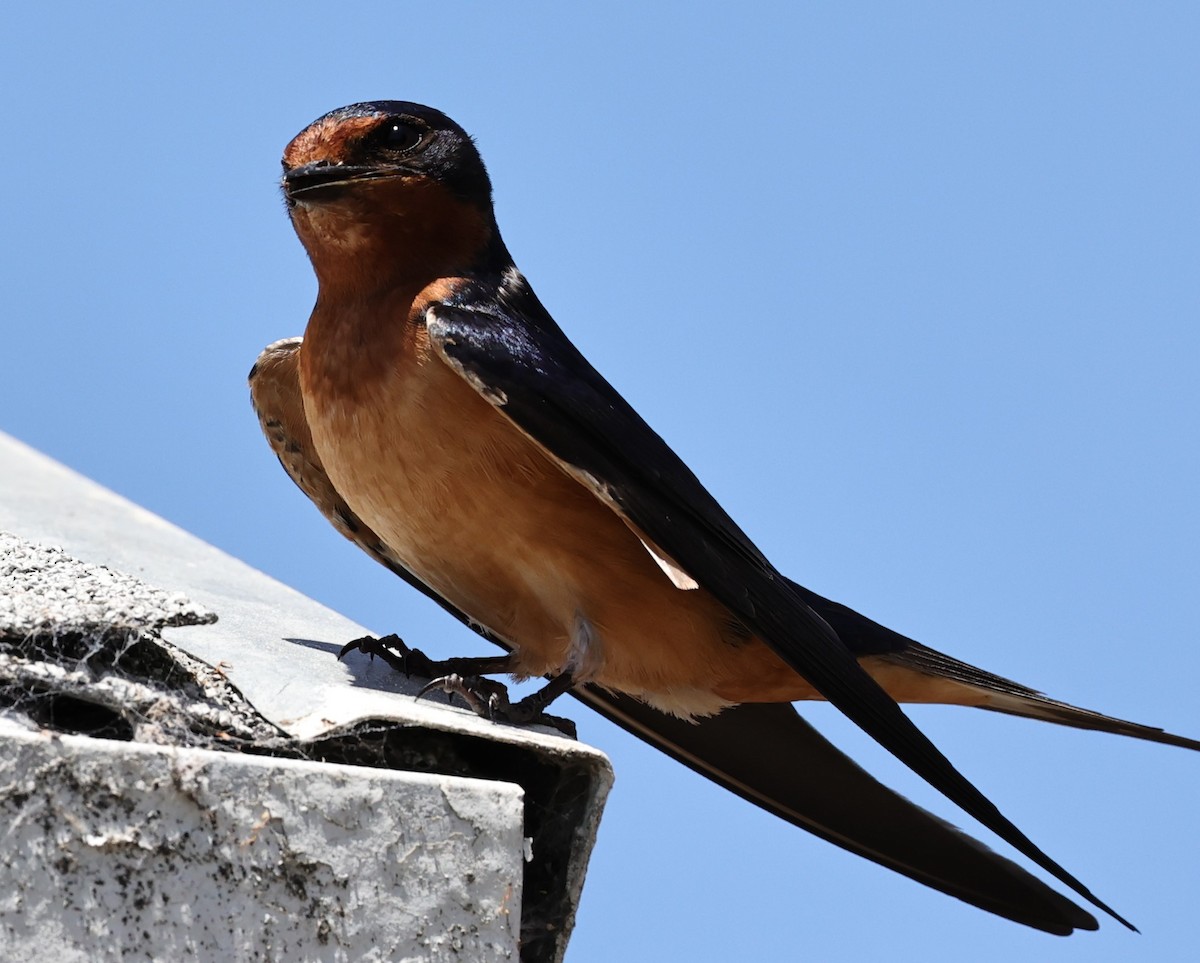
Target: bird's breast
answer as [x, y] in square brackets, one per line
[473, 508]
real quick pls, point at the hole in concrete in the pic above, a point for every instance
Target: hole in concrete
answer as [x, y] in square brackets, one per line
[64, 713]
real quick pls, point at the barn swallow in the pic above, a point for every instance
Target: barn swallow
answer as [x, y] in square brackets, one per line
[438, 417]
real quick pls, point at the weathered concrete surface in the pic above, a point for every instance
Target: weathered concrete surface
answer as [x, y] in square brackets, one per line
[118, 850]
[86, 649]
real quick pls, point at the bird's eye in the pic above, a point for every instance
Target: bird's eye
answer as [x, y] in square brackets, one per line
[399, 136]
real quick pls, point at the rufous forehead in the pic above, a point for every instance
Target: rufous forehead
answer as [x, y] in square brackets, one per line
[329, 140]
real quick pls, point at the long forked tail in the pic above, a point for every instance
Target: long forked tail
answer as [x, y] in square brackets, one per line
[1004, 695]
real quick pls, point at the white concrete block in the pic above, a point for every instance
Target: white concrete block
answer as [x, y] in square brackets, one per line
[117, 850]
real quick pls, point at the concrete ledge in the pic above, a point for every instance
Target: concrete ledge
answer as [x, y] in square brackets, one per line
[118, 850]
[199, 652]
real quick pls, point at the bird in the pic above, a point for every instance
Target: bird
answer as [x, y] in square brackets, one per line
[439, 417]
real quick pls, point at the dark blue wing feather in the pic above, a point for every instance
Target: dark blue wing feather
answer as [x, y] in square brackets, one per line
[510, 349]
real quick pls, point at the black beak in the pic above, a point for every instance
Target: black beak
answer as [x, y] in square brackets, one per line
[317, 176]
[323, 180]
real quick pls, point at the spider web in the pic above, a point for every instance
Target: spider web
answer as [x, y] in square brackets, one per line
[81, 651]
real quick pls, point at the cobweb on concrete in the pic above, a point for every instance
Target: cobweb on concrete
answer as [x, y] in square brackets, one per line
[81, 651]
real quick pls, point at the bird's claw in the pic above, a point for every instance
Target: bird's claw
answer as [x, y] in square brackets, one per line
[393, 650]
[486, 697]
[489, 699]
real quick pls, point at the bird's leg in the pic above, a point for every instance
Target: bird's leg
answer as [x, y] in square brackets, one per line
[393, 651]
[533, 707]
[489, 698]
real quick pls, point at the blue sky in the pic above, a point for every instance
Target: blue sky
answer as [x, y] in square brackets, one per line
[912, 287]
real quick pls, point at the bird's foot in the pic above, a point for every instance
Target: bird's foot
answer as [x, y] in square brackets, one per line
[465, 678]
[393, 650]
[489, 699]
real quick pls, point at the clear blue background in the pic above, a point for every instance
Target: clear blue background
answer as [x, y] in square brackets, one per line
[913, 287]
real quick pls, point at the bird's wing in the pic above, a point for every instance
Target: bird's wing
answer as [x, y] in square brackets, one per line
[511, 351]
[768, 754]
[765, 753]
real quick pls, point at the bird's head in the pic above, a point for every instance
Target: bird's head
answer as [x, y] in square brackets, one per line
[388, 188]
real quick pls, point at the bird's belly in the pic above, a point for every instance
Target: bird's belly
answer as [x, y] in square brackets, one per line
[486, 519]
